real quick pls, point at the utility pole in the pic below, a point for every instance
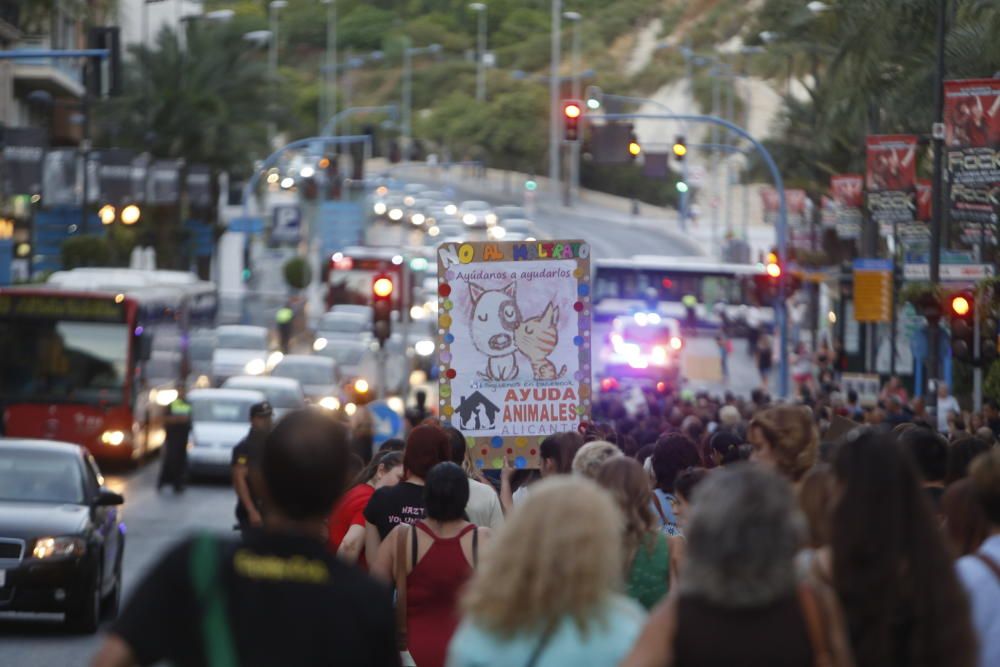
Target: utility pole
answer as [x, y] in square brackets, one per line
[574, 147]
[330, 67]
[407, 95]
[480, 8]
[554, 99]
[937, 202]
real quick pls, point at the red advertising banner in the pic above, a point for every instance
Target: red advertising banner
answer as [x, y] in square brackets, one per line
[972, 156]
[796, 202]
[848, 193]
[891, 161]
[924, 202]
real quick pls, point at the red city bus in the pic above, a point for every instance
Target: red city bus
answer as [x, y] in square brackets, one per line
[72, 370]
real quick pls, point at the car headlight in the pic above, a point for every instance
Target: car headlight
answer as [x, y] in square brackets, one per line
[361, 386]
[113, 438]
[329, 403]
[469, 219]
[350, 409]
[165, 397]
[408, 200]
[255, 367]
[54, 547]
[319, 344]
[379, 208]
[417, 313]
[450, 209]
[659, 354]
[274, 359]
[396, 214]
[497, 232]
[417, 218]
[424, 348]
[491, 219]
[433, 230]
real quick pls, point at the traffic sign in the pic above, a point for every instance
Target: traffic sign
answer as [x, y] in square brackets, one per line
[388, 423]
[247, 225]
[949, 272]
[286, 224]
[872, 290]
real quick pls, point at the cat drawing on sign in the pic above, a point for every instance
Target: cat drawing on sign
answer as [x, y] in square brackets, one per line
[495, 318]
[536, 338]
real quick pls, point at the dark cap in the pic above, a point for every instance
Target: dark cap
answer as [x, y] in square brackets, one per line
[262, 409]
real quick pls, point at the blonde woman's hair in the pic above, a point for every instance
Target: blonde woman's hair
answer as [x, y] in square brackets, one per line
[558, 556]
[591, 456]
[793, 436]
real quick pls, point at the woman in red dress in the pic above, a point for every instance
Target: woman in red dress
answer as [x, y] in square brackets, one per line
[435, 557]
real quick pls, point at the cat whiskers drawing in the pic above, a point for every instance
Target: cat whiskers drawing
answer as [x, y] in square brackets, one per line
[537, 338]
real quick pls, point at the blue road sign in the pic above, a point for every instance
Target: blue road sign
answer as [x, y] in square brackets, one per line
[388, 423]
[247, 225]
[286, 224]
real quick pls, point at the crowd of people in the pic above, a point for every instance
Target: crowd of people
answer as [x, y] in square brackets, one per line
[701, 531]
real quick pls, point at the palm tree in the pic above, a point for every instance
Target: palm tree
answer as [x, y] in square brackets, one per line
[203, 99]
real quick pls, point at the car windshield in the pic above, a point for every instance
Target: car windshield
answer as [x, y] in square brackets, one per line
[57, 361]
[342, 324]
[511, 212]
[40, 476]
[242, 341]
[220, 410]
[475, 206]
[279, 397]
[304, 373]
[345, 355]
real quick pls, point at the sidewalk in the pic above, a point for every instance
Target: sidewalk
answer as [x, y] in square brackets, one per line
[697, 239]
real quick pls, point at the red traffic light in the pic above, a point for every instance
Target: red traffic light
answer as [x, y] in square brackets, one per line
[572, 110]
[382, 287]
[772, 267]
[960, 305]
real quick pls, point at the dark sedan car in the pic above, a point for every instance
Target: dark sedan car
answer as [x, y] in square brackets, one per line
[61, 534]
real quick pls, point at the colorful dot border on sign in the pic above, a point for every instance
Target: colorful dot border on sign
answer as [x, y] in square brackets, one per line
[523, 449]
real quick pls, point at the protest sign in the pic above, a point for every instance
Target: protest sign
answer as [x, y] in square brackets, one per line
[514, 321]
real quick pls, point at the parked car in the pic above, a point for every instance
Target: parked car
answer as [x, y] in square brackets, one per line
[220, 418]
[62, 540]
[284, 394]
[239, 349]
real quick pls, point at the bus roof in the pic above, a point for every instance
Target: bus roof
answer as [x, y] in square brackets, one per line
[121, 279]
[679, 265]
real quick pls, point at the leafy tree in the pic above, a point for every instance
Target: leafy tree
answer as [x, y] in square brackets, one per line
[297, 273]
[205, 103]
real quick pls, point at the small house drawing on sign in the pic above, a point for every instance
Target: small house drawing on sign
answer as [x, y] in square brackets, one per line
[477, 413]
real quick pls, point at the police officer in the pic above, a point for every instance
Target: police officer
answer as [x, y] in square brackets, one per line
[284, 318]
[246, 466]
[177, 425]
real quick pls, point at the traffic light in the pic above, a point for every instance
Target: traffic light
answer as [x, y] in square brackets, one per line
[382, 289]
[682, 186]
[772, 267]
[772, 279]
[103, 76]
[680, 148]
[572, 112]
[961, 316]
[633, 146]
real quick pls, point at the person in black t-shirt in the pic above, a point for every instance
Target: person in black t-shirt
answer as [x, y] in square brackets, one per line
[277, 598]
[246, 466]
[426, 446]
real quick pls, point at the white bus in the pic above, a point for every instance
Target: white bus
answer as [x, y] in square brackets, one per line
[627, 286]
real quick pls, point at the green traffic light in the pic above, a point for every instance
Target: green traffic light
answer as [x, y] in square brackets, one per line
[682, 186]
[530, 185]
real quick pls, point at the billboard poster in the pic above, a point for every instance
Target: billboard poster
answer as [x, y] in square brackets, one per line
[163, 182]
[891, 180]
[23, 153]
[848, 194]
[972, 131]
[114, 175]
[199, 186]
[514, 320]
[796, 203]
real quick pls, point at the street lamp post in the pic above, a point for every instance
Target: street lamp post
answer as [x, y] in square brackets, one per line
[328, 100]
[556, 56]
[480, 8]
[574, 147]
[407, 101]
[274, 7]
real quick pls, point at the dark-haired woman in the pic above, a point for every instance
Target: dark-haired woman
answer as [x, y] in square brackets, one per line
[891, 568]
[556, 453]
[426, 446]
[429, 562]
[674, 453]
[347, 521]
